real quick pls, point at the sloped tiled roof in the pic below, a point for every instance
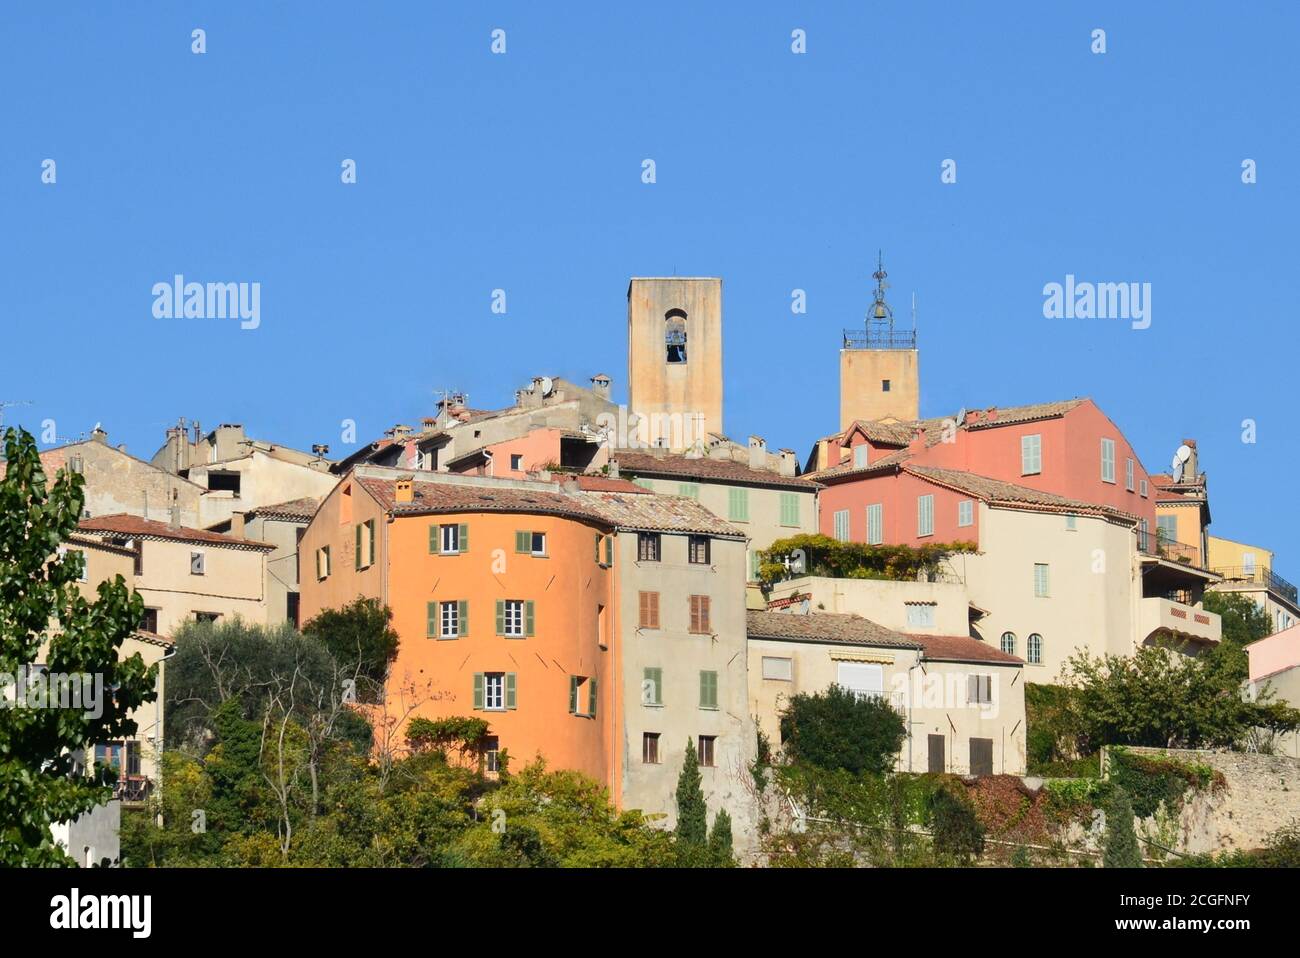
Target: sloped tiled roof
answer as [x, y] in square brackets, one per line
[704, 468]
[592, 483]
[1000, 493]
[303, 508]
[125, 525]
[835, 627]
[962, 648]
[1016, 414]
[883, 464]
[620, 508]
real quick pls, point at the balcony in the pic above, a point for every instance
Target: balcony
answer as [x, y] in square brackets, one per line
[1160, 617]
[132, 789]
[879, 338]
[1261, 576]
[1158, 546]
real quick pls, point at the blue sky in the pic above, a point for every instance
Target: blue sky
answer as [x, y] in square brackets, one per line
[775, 171]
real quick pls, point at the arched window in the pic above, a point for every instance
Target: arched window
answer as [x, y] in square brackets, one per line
[1009, 643]
[675, 335]
[1035, 649]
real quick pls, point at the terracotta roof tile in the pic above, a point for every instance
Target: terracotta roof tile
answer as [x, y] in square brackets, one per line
[125, 525]
[962, 648]
[1000, 493]
[833, 627]
[293, 509]
[719, 470]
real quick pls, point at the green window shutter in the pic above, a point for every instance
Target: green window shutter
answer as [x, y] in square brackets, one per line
[598, 538]
[523, 541]
[463, 535]
[573, 694]
[789, 509]
[431, 620]
[591, 696]
[371, 553]
[654, 678]
[462, 616]
[433, 539]
[708, 690]
[511, 697]
[358, 530]
[501, 616]
[478, 690]
[609, 550]
[738, 504]
[528, 617]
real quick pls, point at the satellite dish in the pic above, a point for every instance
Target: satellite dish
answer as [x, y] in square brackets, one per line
[1181, 456]
[961, 415]
[547, 385]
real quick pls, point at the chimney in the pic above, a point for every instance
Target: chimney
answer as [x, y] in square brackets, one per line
[121, 447]
[174, 515]
[600, 384]
[992, 414]
[918, 442]
[570, 485]
[788, 463]
[99, 434]
[613, 469]
[237, 523]
[1190, 469]
[757, 453]
[404, 490]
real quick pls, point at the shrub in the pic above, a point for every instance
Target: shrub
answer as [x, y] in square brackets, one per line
[837, 729]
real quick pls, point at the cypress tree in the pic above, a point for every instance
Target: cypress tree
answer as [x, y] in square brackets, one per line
[720, 841]
[692, 813]
[1120, 848]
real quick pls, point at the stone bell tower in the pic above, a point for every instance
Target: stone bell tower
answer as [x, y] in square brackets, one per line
[880, 376]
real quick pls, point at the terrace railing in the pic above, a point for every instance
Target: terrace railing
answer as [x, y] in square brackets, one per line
[1260, 575]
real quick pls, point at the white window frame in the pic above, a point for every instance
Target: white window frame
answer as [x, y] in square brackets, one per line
[875, 523]
[449, 620]
[1108, 460]
[1045, 591]
[449, 535]
[780, 664]
[512, 618]
[920, 615]
[925, 515]
[1034, 649]
[494, 701]
[842, 525]
[1129, 473]
[966, 512]
[1003, 643]
[860, 453]
[1031, 454]
[533, 538]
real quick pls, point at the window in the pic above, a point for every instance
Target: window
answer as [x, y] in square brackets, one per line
[842, 525]
[602, 627]
[875, 523]
[1040, 580]
[1142, 488]
[1142, 530]
[1108, 460]
[650, 748]
[981, 756]
[863, 679]
[925, 515]
[649, 610]
[644, 484]
[699, 550]
[1248, 563]
[689, 489]
[149, 622]
[647, 546]
[966, 512]
[675, 336]
[708, 690]
[884, 385]
[450, 620]
[700, 614]
[979, 689]
[1071, 523]
[365, 544]
[652, 687]
[582, 696]
[1034, 648]
[920, 615]
[492, 753]
[323, 562]
[753, 559]
[705, 750]
[196, 563]
[860, 453]
[790, 509]
[515, 618]
[1167, 528]
[738, 505]
[608, 542]
[1128, 474]
[531, 543]
[207, 616]
[1009, 643]
[778, 669]
[516, 462]
[1031, 455]
[495, 691]
[450, 539]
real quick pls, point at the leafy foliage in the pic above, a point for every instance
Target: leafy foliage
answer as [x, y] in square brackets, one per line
[692, 813]
[41, 606]
[1120, 845]
[825, 556]
[466, 734]
[361, 638]
[838, 729]
[1149, 781]
[957, 832]
[1243, 622]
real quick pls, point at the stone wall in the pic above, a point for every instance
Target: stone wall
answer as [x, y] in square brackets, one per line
[1262, 795]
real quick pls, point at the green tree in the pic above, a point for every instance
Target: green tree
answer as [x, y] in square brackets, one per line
[839, 729]
[692, 813]
[954, 825]
[1120, 845]
[41, 606]
[1243, 622]
[361, 639]
[720, 848]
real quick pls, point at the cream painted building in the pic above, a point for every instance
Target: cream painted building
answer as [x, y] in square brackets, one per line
[682, 658]
[759, 495]
[185, 574]
[281, 525]
[962, 701]
[1275, 666]
[1249, 570]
